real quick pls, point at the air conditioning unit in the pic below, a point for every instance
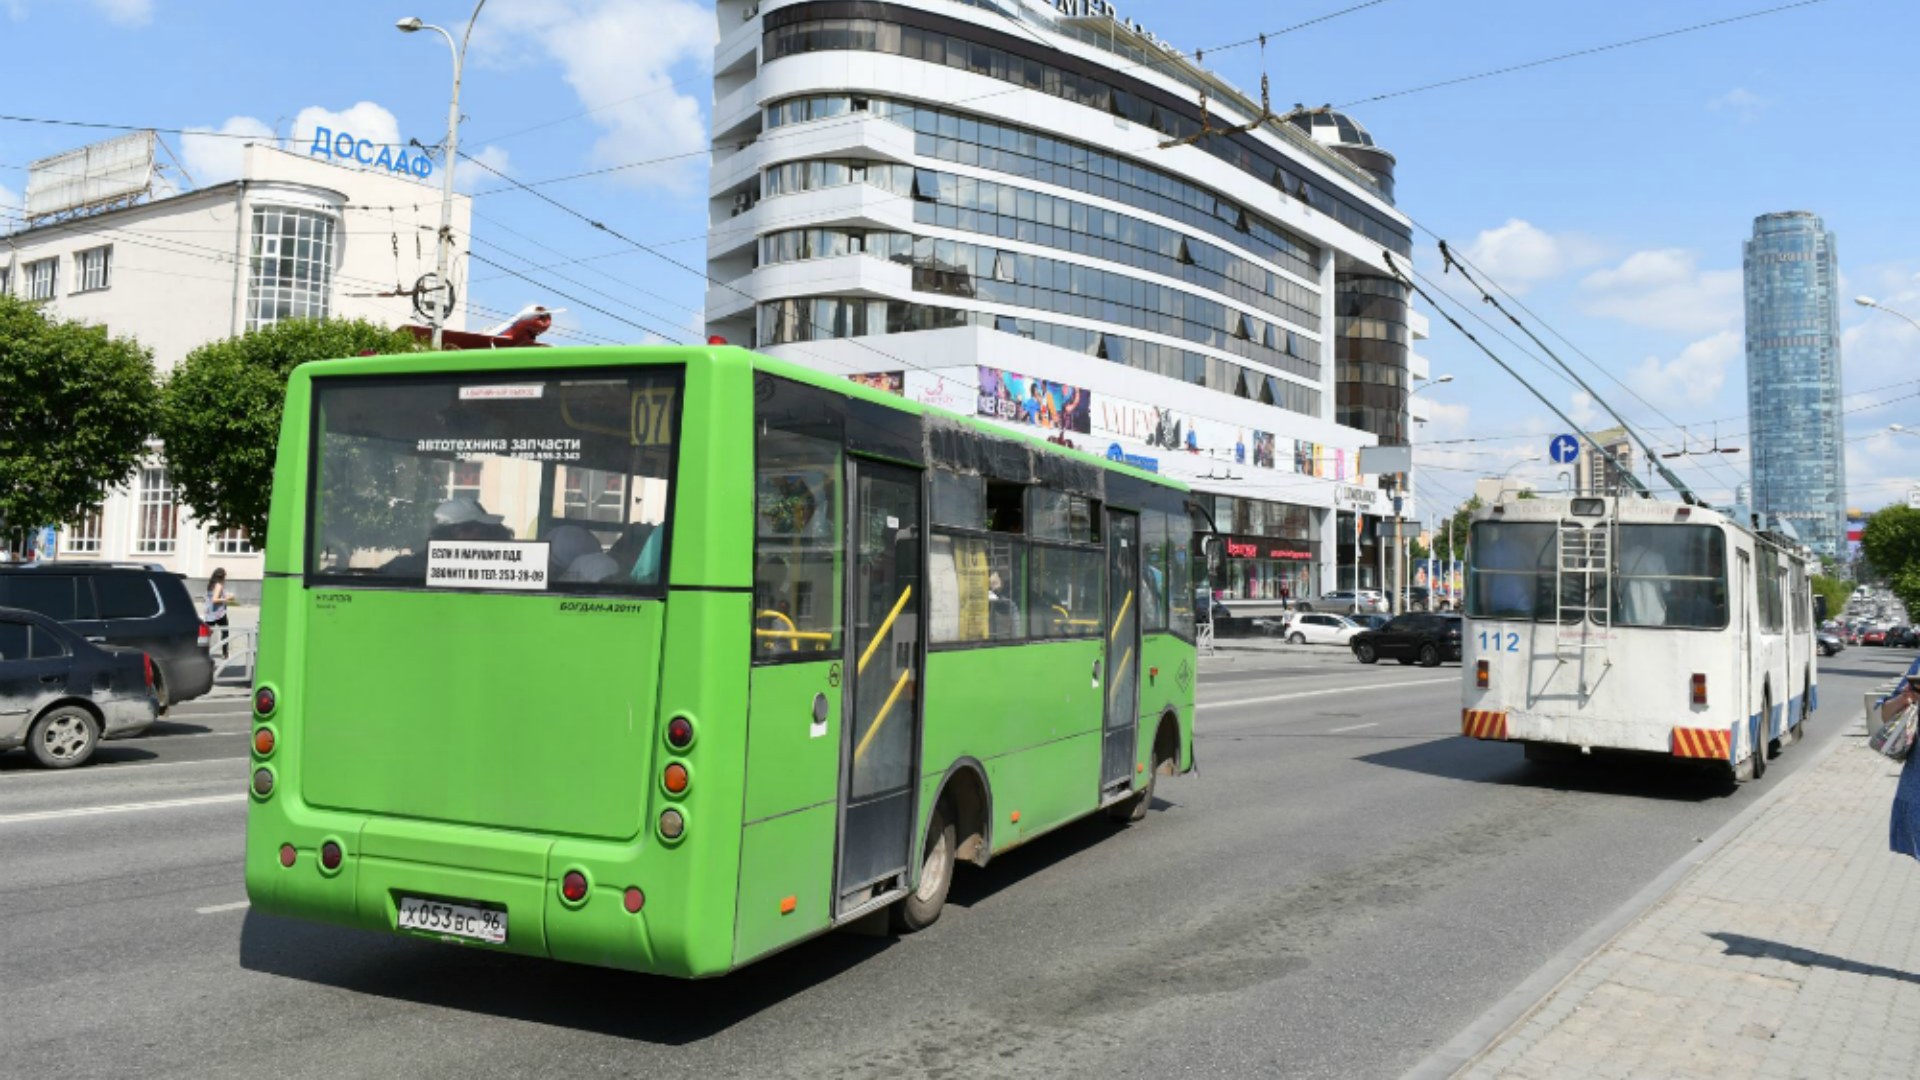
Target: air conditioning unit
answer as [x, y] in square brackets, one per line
[742, 202]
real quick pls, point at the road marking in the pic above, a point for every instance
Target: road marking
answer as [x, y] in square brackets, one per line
[1323, 693]
[103, 768]
[121, 808]
[218, 908]
[1353, 727]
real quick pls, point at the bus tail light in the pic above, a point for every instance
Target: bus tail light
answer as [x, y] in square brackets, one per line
[1480, 674]
[1699, 689]
[573, 886]
[264, 701]
[634, 899]
[674, 779]
[679, 733]
[263, 742]
[263, 782]
[672, 824]
[330, 856]
[287, 854]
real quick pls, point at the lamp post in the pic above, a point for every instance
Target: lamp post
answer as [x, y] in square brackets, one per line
[1870, 302]
[443, 248]
[1399, 604]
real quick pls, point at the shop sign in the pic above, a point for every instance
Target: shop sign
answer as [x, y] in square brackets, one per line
[1139, 461]
[347, 149]
[1364, 500]
[1238, 546]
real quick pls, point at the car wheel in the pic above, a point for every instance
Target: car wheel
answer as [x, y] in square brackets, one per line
[1365, 653]
[1429, 655]
[64, 737]
[921, 907]
[1296, 639]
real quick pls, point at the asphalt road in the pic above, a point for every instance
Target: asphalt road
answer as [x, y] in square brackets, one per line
[1344, 885]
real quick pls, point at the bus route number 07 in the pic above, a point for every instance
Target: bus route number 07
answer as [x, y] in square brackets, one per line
[1499, 641]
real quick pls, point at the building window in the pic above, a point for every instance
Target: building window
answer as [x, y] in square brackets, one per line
[83, 536]
[463, 479]
[5, 281]
[159, 513]
[291, 272]
[91, 268]
[234, 541]
[40, 278]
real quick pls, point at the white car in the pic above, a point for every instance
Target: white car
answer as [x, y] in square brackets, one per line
[1313, 628]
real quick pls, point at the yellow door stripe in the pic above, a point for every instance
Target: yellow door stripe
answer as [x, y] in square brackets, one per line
[898, 688]
[885, 627]
[1114, 677]
[1124, 605]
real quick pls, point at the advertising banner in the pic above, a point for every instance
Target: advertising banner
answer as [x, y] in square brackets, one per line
[893, 382]
[1023, 399]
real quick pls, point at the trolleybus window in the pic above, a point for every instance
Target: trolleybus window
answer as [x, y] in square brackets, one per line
[1671, 576]
[522, 481]
[1514, 571]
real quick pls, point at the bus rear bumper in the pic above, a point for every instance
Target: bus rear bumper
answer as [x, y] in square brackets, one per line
[1597, 732]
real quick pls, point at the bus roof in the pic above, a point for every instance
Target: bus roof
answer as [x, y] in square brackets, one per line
[425, 363]
[1631, 511]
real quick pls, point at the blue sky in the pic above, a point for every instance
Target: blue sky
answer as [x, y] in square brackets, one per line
[1611, 192]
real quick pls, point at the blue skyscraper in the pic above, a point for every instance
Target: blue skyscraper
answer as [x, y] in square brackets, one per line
[1793, 377]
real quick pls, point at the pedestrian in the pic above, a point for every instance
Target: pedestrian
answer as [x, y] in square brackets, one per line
[216, 609]
[1904, 836]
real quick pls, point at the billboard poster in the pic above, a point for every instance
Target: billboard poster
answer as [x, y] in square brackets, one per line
[1306, 458]
[1022, 399]
[893, 382]
[1263, 449]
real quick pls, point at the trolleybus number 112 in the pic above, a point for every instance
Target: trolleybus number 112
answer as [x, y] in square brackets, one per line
[1500, 642]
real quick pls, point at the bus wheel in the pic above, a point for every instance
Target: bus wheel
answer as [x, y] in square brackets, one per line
[1761, 743]
[1128, 811]
[921, 907]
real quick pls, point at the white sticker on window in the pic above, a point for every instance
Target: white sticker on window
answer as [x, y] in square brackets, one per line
[501, 393]
[487, 564]
[892, 522]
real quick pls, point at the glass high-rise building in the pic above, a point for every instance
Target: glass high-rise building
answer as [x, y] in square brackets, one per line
[1793, 377]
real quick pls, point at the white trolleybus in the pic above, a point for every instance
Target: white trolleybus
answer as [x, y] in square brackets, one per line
[1636, 624]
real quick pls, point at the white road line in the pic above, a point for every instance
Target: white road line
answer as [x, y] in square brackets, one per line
[103, 769]
[121, 808]
[1322, 693]
[218, 908]
[1353, 727]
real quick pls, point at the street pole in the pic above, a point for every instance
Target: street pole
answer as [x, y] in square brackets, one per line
[443, 252]
[1401, 603]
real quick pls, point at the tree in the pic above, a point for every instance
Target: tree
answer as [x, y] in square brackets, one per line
[1836, 590]
[76, 408]
[220, 411]
[1891, 544]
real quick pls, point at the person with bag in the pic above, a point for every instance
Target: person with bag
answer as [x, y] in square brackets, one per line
[1900, 720]
[215, 615]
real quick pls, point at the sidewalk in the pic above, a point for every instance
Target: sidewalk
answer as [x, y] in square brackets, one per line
[1793, 951]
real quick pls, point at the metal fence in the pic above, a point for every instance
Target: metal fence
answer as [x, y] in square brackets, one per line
[232, 652]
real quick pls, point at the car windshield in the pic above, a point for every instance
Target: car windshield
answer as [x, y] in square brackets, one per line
[499, 481]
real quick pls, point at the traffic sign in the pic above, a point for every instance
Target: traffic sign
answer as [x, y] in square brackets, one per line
[1563, 449]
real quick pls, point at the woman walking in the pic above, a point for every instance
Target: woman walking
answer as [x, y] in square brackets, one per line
[216, 612]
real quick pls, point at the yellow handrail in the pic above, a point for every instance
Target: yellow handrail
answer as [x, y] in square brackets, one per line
[1121, 614]
[1113, 677]
[885, 627]
[898, 688]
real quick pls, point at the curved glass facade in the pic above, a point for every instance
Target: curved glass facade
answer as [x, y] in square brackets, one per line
[1793, 377]
[1371, 348]
[918, 35]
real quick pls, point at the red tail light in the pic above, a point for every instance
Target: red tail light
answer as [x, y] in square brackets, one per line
[1699, 689]
[205, 636]
[330, 855]
[679, 733]
[287, 854]
[1480, 674]
[146, 662]
[634, 899]
[264, 701]
[573, 886]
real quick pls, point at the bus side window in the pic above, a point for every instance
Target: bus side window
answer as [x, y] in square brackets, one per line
[797, 572]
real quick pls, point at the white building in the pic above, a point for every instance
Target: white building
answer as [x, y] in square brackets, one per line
[294, 237]
[970, 201]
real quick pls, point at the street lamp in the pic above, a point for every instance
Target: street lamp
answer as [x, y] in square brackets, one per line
[444, 247]
[1870, 302]
[1399, 545]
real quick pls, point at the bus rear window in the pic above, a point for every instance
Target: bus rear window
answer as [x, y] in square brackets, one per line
[1513, 572]
[1671, 576]
[522, 482]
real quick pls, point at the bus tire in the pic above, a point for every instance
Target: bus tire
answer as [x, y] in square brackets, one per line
[1760, 743]
[1132, 809]
[921, 908]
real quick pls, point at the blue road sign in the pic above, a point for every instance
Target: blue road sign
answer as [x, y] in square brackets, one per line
[1563, 449]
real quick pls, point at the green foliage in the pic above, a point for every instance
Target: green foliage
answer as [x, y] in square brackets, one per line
[76, 408]
[1452, 538]
[1891, 544]
[220, 411]
[1837, 592]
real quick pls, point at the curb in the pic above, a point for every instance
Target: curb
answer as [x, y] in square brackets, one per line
[1486, 1031]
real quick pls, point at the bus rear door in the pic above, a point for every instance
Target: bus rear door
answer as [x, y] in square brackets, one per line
[1123, 652]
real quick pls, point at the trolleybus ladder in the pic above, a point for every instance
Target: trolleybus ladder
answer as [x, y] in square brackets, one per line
[1585, 554]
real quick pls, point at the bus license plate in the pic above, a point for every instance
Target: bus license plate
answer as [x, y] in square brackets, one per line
[459, 920]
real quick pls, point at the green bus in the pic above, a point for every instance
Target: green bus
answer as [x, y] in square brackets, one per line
[667, 658]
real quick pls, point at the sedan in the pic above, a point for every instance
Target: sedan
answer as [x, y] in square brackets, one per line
[1830, 643]
[60, 694]
[1315, 629]
[1366, 600]
[1873, 635]
[1428, 639]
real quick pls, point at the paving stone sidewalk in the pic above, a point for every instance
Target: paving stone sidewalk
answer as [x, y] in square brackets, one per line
[1793, 951]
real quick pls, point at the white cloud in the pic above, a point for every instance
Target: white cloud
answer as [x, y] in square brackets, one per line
[1665, 289]
[1741, 102]
[126, 12]
[1582, 410]
[470, 177]
[1694, 377]
[213, 158]
[1519, 254]
[619, 56]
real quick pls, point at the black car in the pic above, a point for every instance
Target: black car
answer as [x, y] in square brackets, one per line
[1428, 639]
[1904, 637]
[127, 604]
[60, 694]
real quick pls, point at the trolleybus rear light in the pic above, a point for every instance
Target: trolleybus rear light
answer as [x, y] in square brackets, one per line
[672, 825]
[330, 856]
[263, 742]
[675, 778]
[287, 854]
[1699, 689]
[634, 899]
[1480, 674]
[264, 701]
[263, 782]
[679, 733]
[573, 886]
